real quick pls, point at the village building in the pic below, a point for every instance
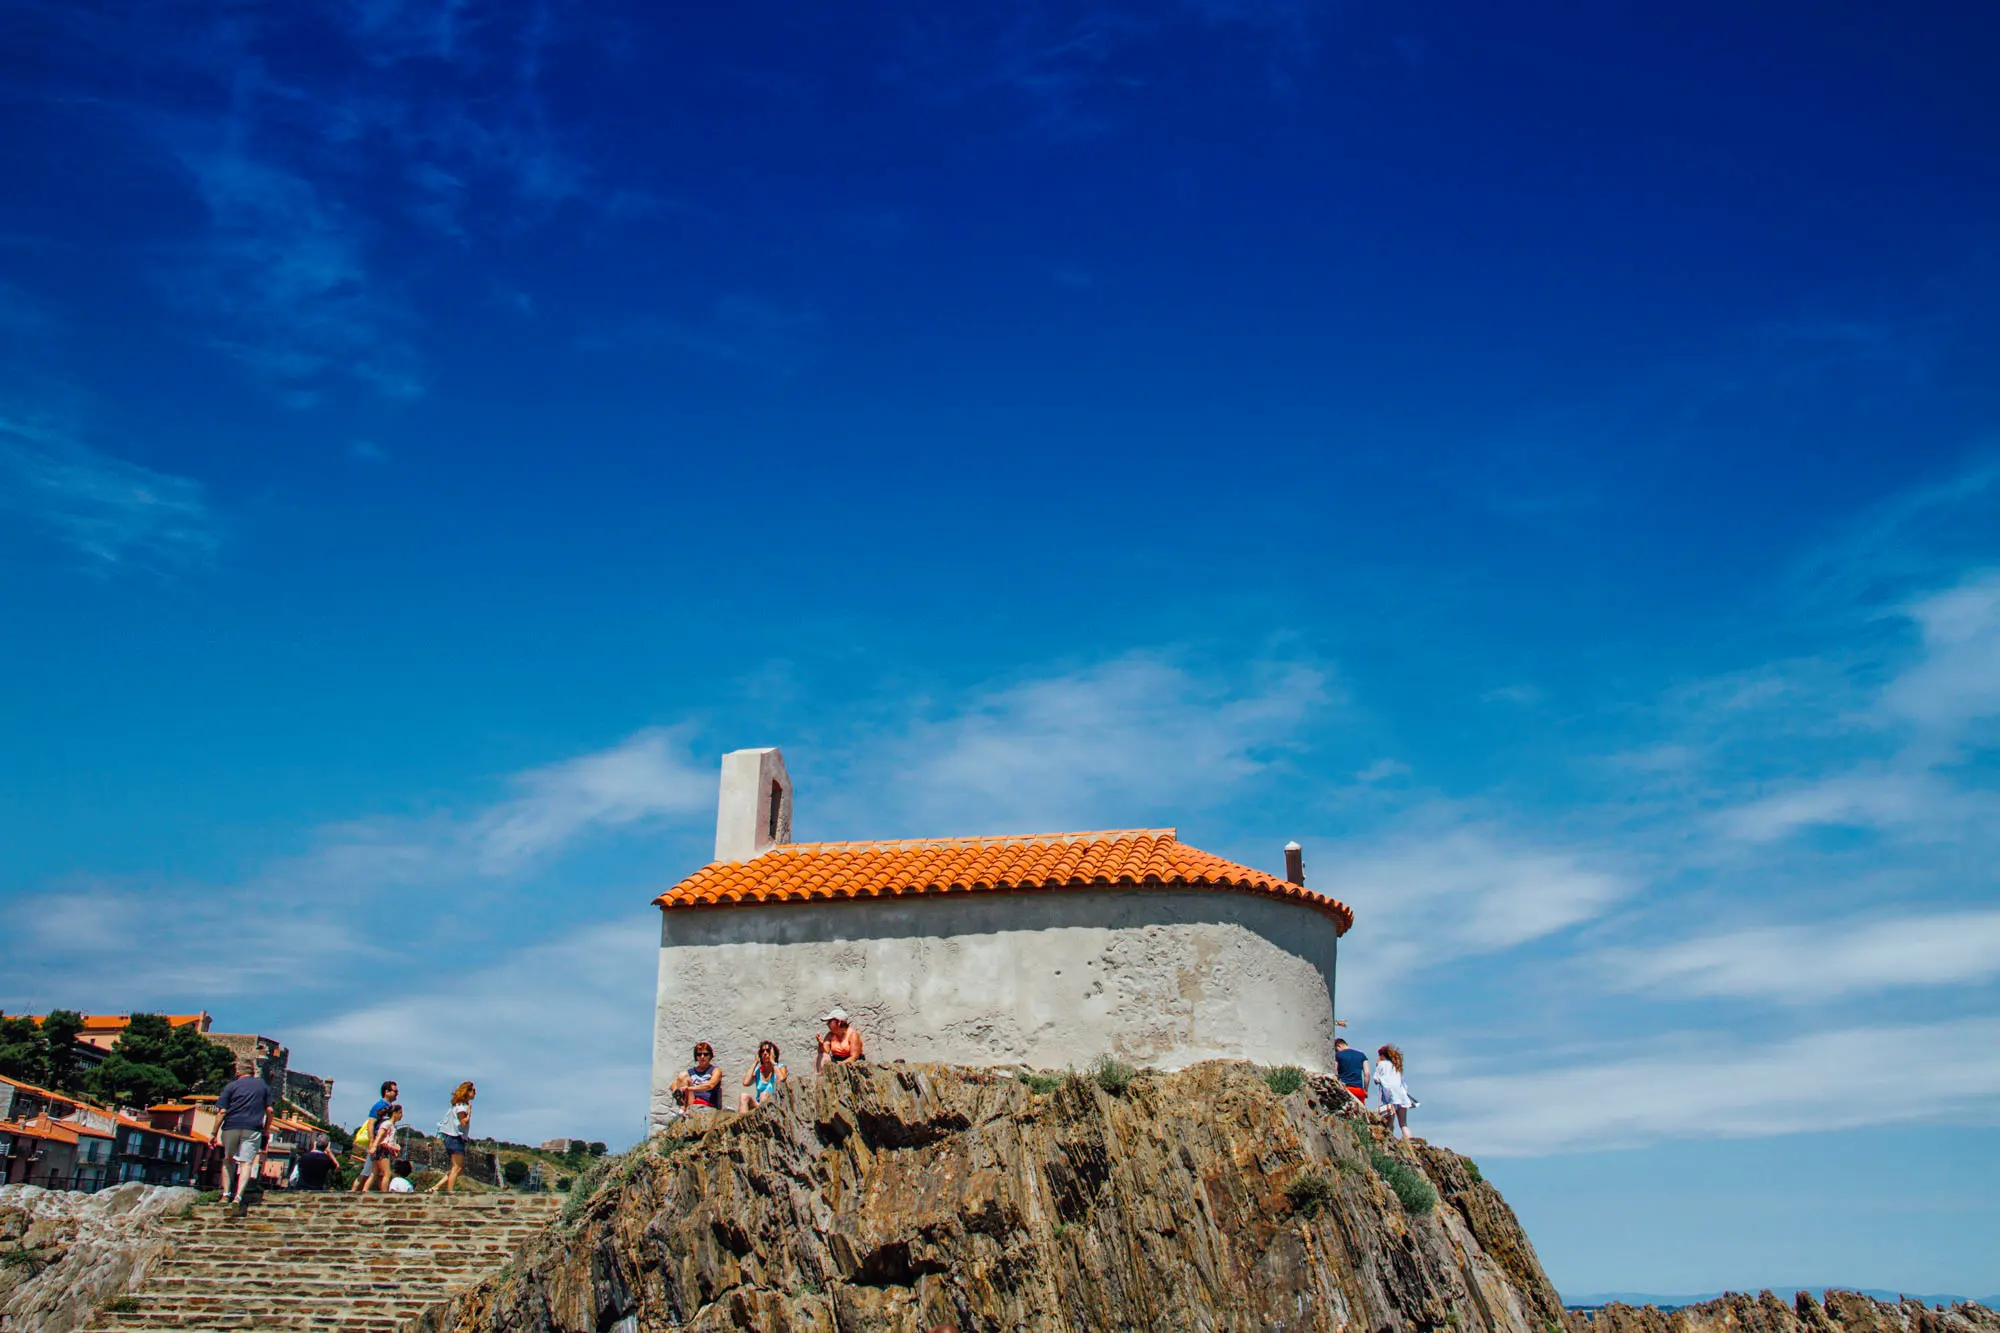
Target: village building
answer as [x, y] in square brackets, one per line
[51, 1139]
[142, 1150]
[264, 1057]
[1045, 950]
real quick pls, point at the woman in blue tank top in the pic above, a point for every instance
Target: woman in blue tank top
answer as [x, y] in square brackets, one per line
[761, 1083]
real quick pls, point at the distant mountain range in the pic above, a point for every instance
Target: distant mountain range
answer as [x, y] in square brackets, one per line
[1589, 1300]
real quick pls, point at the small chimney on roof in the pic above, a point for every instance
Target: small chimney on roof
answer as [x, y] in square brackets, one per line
[754, 813]
[1295, 864]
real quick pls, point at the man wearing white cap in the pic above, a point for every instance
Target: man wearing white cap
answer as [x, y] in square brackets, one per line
[840, 1042]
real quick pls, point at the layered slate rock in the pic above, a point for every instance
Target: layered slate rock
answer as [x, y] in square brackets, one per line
[1840, 1312]
[62, 1254]
[922, 1197]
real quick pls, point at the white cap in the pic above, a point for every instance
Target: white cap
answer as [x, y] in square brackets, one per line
[832, 1014]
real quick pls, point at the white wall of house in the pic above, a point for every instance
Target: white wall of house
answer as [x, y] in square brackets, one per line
[1159, 977]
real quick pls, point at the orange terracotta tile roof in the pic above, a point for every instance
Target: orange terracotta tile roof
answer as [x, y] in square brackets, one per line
[1123, 858]
[41, 1127]
[133, 1122]
[119, 1022]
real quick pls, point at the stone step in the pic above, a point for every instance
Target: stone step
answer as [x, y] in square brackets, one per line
[340, 1262]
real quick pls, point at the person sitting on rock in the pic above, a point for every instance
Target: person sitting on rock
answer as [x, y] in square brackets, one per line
[761, 1083]
[700, 1086]
[400, 1182]
[840, 1043]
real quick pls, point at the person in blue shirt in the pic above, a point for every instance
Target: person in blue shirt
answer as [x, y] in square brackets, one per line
[1351, 1067]
[375, 1112]
[242, 1120]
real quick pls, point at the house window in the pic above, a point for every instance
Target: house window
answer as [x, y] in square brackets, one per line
[777, 799]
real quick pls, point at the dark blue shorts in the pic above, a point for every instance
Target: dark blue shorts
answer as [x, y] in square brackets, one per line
[454, 1144]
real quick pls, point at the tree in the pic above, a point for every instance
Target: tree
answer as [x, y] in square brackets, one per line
[155, 1062]
[575, 1150]
[123, 1081]
[22, 1053]
[597, 1150]
[43, 1054]
[515, 1171]
[60, 1030]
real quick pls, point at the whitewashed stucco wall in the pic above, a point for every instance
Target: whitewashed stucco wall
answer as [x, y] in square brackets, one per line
[1161, 977]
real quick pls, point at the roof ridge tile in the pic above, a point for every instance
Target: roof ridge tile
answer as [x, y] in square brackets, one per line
[847, 871]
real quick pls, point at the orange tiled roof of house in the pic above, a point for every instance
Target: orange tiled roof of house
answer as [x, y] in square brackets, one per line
[119, 1022]
[829, 871]
[41, 1127]
[133, 1122]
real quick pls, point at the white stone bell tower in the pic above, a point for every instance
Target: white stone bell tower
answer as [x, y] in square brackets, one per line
[754, 813]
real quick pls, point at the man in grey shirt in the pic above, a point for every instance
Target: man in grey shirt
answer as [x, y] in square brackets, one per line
[242, 1119]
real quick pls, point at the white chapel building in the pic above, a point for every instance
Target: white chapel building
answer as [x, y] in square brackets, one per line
[1045, 950]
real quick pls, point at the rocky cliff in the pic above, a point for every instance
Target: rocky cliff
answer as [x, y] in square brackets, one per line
[922, 1197]
[63, 1255]
[1841, 1312]
[915, 1198]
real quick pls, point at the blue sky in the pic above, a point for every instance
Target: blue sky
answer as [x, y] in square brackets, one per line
[1542, 458]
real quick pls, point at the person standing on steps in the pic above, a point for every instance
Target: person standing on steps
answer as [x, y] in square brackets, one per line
[1351, 1067]
[840, 1043]
[1396, 1100]
[242, 1119]
[456, 1131]
[381, 1108]
[383, 1149]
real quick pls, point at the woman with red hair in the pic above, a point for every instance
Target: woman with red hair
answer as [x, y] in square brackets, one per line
[456, 1131]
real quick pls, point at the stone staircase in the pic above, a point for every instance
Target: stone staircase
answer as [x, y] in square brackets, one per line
[357, 1263]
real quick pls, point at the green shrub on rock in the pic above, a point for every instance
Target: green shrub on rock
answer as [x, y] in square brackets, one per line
[1112, 1074]
[1310, 1191]
[1411, 1187]
[1285, 1079]
[1041, 1081]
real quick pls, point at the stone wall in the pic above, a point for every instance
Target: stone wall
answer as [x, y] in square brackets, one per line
[308, 1092]
[1159, 977]
[427, 1153]
[272, 1061]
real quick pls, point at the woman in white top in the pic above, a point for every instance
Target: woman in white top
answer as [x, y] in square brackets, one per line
[456, 1131]
[1396, 1099]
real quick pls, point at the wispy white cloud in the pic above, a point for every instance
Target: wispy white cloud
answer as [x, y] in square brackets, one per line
[281, 272]
[116, 512]
[649, 776]
[1111, 742]
[561, 1043]
[1700, 1085]
[1431, 895]
[1812, 963]
[1930, 705]
[316, 919]
[1957, 681]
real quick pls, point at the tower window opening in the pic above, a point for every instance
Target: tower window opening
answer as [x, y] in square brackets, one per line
[777, 799]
